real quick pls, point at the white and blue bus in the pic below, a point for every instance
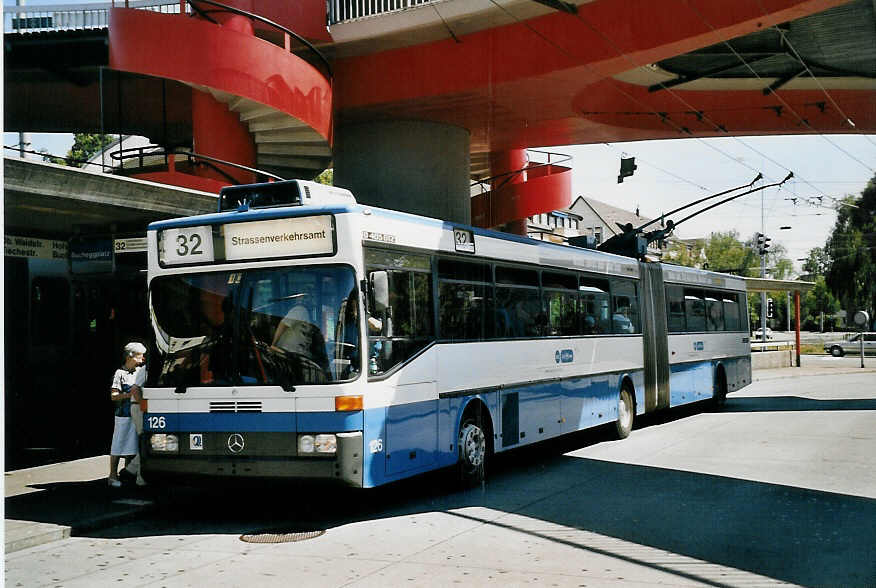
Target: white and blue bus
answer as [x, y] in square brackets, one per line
[301, 335]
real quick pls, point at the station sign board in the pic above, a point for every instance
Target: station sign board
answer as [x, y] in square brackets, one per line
[33, 247]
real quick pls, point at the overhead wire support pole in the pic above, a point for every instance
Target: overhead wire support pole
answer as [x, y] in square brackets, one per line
[763, 295]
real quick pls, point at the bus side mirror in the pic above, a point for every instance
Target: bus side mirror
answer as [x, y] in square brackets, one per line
[380, 290]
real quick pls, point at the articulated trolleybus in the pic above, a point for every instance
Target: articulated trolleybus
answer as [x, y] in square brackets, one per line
[304, 336]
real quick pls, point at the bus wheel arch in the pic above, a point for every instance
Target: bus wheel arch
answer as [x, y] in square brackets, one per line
[626, 408]
[474, 442]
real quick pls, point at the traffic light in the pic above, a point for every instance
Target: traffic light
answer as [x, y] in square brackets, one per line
[763, 243]
[771, 307]
[628, 166]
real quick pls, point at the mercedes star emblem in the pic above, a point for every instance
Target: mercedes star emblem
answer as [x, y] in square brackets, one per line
[235, 443]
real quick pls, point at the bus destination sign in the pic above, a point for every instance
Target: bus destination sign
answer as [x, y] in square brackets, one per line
[289, 237]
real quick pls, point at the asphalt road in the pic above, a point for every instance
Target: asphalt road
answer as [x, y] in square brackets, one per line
[780, 487]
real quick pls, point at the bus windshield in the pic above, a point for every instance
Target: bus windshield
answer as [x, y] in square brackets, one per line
[277, 326]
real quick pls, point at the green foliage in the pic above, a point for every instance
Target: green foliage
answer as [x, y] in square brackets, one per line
[724, 252]
[851, 248]
[327, 177]
[727, 254]
[817, 304]
[86, 145]
[49, 158]
[817, 263]
[686, 253]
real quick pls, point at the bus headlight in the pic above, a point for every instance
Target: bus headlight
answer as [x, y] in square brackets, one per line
[323, 443]
[164, 443]
[305, 444]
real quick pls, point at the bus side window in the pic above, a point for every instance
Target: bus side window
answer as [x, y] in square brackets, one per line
[714, 312]
[625, 307]
[594, 303]
[675, 308]
[731, 313]
[694, 310]
[517, 301]
[560, 300]
[465, 300]
[400, 310]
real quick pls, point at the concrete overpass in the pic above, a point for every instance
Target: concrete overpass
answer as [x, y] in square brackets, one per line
[410, 100]
[44, 199]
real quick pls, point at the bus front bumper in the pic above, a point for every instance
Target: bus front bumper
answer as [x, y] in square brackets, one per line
[262, 456]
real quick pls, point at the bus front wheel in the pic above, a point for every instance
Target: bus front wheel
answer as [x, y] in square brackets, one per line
[473, 451]
[626, 410]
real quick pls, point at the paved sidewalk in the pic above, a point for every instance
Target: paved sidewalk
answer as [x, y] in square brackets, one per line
[818, 365]
[55, 501]
[52, 502]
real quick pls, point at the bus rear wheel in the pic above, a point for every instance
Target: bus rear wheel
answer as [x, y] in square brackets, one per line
[473, 451]
[626, 411]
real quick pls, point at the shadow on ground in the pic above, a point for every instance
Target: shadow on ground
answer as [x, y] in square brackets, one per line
[792, 534]
[795, 403]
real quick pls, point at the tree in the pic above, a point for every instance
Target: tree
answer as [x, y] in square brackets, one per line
[327, 177]
[725, 253]
[49, 158]
[688, 252]
[86, 145]
[817, 262]
[817, 303]
[851, 248]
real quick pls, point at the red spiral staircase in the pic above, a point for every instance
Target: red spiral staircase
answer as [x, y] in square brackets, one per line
[254, 102]
[507, 199]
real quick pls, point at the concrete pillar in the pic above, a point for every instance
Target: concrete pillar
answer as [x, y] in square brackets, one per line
[413, 166]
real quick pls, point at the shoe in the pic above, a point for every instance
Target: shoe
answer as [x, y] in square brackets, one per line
[113, 483]
[140, 481]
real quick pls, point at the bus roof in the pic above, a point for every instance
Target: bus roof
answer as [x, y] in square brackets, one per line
[550, 254]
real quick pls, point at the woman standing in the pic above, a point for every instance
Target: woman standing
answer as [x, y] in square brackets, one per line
[124, 442]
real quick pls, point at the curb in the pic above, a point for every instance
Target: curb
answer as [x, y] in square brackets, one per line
[790, 372]
[24, 534]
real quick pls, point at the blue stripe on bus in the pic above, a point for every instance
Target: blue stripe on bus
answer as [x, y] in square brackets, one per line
[690, 382]
[408, 439]
[403, 440]
[315, 422]
[274, 422]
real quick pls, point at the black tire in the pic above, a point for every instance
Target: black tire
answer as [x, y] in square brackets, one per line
[474, 449]
[837, 351]
[626, 412]
[719, 392]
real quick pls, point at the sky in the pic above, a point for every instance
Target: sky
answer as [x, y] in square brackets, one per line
[672, 173]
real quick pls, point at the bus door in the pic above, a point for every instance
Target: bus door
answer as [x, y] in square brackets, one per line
[655, 342]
